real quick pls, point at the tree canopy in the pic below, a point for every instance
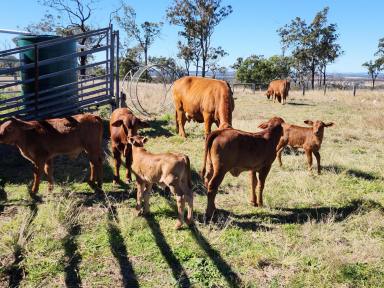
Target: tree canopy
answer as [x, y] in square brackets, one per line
[313, 46]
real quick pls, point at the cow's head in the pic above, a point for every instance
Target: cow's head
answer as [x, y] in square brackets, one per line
[318, 126]
[130, 124]
[137, 141]
[273, 122]
[13, 129]
[268, 94]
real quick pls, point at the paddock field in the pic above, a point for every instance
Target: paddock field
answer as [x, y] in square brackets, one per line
[314, 231]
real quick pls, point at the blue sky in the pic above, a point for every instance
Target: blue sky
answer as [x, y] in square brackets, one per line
[250, 29]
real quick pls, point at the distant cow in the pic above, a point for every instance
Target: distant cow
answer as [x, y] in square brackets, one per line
[202, 100]
[41, 141]
[308, 138]
[123, 124]
[235, 151]
[166, 169]
[278, 89]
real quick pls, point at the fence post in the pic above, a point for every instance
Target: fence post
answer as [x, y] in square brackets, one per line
[303, 89]
[354, 89]
[325, 89]
[36, 55]
[117, 70]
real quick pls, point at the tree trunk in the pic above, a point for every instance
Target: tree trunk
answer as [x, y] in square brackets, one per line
[313, 72]
[373, 83]
[203, 67]
[324, 75]
[83, 62]
[146, 56]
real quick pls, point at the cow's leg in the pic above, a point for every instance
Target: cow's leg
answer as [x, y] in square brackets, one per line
[128, 163]
[309, 159]
[207, 123]
[147, 193]
[213, 185]
[188, 197]
[263, 173]
[117, 162]
[180, 201]
[317, 155]
[48, 169]
[181, 119]
[96, 167]
[252, 196]
[279, 150]
[38, 170]
[139, 197]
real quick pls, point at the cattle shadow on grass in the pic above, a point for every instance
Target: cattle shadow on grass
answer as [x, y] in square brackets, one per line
[178, 270]
[157, 128]
[315, 214]
[355, 173]
[299, 104]
[225, 269]
[119, 249]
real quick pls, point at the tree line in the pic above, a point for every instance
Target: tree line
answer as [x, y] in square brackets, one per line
[307, 48]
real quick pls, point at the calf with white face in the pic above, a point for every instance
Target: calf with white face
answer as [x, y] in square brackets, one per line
[165, 169]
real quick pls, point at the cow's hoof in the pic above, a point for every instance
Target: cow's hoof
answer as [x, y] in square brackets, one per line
[189, 222]
[178, 225]
[139, 213]
[252, 203]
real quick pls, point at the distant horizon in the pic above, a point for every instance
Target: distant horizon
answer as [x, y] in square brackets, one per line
[250, 29]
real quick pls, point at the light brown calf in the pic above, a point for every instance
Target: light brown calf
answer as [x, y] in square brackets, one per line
[165, 169]
[235, 151]
[41, 141]
[123, 124]
[308, 138]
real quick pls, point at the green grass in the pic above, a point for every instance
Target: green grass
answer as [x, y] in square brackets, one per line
[315, 231]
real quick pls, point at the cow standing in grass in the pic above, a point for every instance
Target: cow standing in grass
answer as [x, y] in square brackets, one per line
[308, 138]
[166, 169]
[202, 100]
[41, 141]
[235, 151]
[278, 89]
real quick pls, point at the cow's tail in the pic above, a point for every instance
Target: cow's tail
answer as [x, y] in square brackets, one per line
[189, 174]
[227, 105]
[208, 143]
[177, 124]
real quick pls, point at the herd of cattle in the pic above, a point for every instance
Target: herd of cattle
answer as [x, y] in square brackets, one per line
[199, 99]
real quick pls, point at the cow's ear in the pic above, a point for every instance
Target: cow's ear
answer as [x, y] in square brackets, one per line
[117, 123]
[308, 122]
[130, 140]
[145, 139]
[263, 125]
[329, 124]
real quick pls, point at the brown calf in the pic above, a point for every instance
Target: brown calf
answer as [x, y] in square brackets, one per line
[308, 138]
[41, 141]
[235, 151]
[123, 124]
[166, 169]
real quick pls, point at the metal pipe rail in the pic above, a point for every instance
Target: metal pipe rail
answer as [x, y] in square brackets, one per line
[87, 92]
